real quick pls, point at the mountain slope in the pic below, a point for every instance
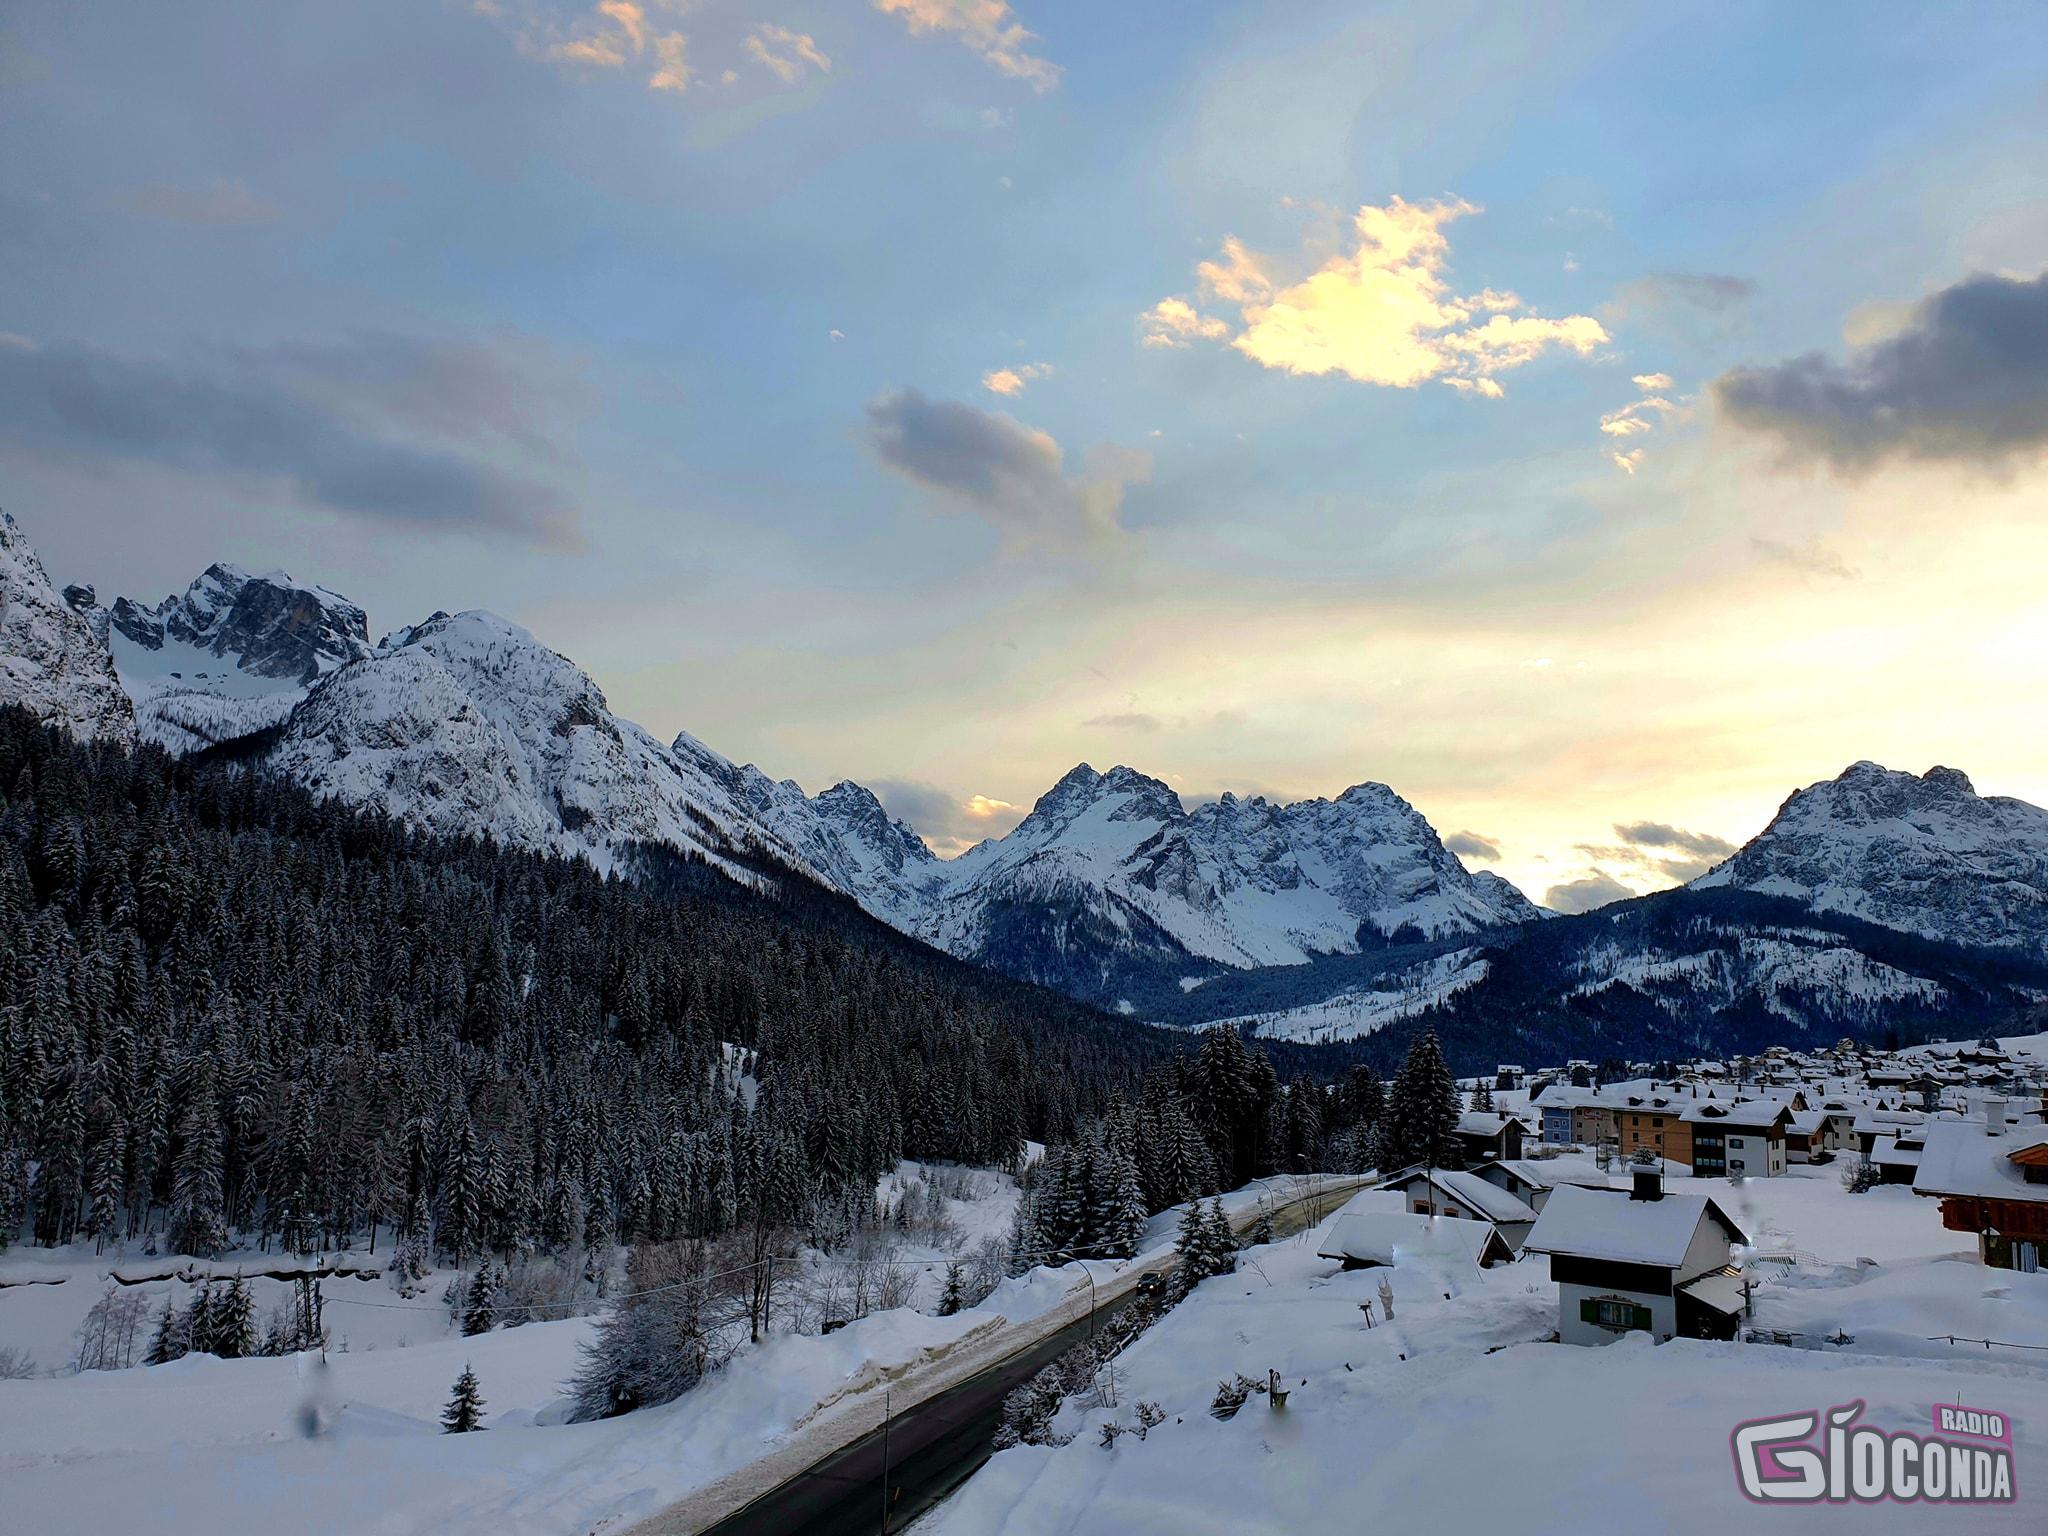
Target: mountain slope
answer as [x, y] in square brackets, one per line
[51, 661]
[1924, 853]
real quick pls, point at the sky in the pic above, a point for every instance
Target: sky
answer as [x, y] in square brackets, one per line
[1594, 422]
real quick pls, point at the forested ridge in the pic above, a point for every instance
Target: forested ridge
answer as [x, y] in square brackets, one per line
[231, 1012]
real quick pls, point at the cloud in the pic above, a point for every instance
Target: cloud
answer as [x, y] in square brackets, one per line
[1658, 834]
[1811, 558]
[1597, 889]
[1381, 313]
[1637, 419]
[1011, 381]
[1714, 293]
[1966, 381]
[784, 53]
[379, 426]
[1134, 720]
[1470, 845]
[1013, 475]
[949, 824]
[613, 36]
[1176, 322]
[221, 204]
[989, 29]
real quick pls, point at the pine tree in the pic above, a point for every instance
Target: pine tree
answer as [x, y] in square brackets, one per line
[233, 1323]
[1421, 1122]
[481, 1313]
[198, 1328]
[168, 1343]
[465, 1410]
[198, 1219]
[956, 1289]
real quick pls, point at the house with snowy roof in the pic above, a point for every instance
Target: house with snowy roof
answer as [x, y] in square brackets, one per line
[1742, 1140]
[1991, 1177]
[1367, 1239]
[1485, 1133]
[1640, 1261]
[1531, 1180]
[1461, 1193]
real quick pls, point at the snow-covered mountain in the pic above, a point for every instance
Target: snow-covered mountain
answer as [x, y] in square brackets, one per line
[467, 724]
[231, 654]
[1111, 885]
[1926, 854]
[51, 660]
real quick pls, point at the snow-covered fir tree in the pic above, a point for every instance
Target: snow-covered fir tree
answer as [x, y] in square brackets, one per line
[465, 1410]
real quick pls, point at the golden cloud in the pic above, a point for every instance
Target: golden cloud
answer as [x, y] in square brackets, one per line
[987, 28]
[784, 52]
[1382, 313]
[1011, 381]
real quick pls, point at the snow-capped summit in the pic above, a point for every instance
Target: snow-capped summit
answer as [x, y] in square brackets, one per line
[228, 656]
[52, 662]
[1923, 853]
[269, 626]
[1110, 872]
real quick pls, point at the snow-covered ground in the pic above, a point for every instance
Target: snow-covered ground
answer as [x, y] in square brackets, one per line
[206, 1445]
[1457, 1417]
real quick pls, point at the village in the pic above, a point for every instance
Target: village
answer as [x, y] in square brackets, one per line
[1636, 1301]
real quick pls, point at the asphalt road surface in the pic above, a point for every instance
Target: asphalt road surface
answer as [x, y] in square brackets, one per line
[886, 1479]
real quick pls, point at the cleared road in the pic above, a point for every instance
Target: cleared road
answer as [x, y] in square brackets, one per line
[923, 1439]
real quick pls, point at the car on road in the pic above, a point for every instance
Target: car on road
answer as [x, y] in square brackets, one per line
[1149, 1283]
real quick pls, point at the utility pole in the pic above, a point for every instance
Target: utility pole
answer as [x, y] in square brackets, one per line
[885, 1459]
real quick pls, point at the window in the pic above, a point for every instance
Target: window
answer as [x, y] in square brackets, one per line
[1614, 1313]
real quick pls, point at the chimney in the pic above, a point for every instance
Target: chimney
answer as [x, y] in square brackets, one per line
[1994, 1115]
[1647, 1182]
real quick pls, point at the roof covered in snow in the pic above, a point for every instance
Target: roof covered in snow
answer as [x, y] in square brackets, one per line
[1386, 1237]
[1961, 1158]
[1608, 1224]
[1467, 1189]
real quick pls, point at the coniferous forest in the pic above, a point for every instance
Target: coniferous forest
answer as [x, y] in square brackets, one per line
[230, 1013]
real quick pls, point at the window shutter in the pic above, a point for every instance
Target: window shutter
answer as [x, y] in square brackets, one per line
[1589, 1312]
[1640, 1318]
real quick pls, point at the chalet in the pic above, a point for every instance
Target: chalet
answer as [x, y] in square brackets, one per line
[1806, 1137]
[1532, 1182]
[1745, 1140]
[1640, 1261]
[1368, 1239]
[1507, 1077]
[1890, 1141]
[1992, 1181]
[1652, 1123]
[1463, 1194]
[1489, 1133]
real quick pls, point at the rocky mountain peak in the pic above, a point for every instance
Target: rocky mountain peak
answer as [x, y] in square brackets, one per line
[52, 662]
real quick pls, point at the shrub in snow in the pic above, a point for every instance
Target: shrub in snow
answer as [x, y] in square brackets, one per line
[465, 1410]
[1859, 1178]
[1231, 1396]
[1028, 1411]
[1150, 1417]
[16, 1365]
[111, 1336]
[664, 1336]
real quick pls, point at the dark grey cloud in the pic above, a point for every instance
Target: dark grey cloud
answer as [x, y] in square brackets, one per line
[1594, 890]
[405, 431]
[943, 819]
[1013, 475]
[1470, 845]
[1965, 381]
[1658, 834]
